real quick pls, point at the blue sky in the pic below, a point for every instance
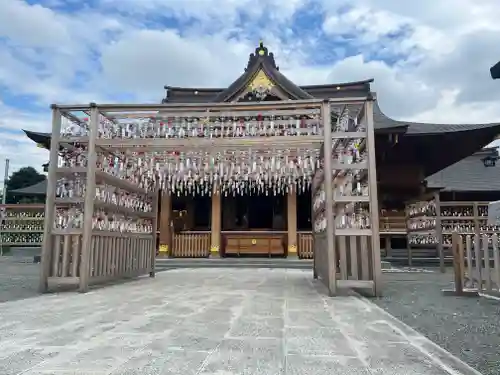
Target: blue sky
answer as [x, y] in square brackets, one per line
[429, 59]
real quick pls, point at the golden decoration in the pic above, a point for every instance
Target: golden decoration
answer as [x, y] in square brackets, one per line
[254, 241]
[163, 248]
[292, 248]
[261, 81]
[214, 249]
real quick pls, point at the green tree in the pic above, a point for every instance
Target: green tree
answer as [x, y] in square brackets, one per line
[22, 178]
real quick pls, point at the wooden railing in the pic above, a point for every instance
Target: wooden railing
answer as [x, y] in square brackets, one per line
[476, 262]
[392, 222]
[306, 246]
[111, 256]
[191, 245]
[354, 258]
[21, 224]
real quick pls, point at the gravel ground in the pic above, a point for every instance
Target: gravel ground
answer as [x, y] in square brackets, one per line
[467, 327]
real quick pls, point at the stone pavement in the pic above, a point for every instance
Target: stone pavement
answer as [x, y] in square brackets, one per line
[213, 321]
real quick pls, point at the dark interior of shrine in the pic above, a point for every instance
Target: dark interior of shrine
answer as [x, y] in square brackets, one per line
[241, 212]
[254, 212]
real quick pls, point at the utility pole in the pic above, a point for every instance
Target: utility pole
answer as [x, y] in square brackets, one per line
[3, 212]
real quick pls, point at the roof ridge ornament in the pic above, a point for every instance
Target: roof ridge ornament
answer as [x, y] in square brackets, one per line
[261, 55]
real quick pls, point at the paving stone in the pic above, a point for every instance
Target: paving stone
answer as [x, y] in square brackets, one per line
[307, 365]
[311, 319]
[257, 326]
[208, 321]
[25, 359]
[317, 341]
[163, 362]
[246, 357]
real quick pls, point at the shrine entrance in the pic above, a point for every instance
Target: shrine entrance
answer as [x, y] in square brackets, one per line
[254, 224]
[124, 155]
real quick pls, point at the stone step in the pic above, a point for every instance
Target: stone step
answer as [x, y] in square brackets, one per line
[305, 264]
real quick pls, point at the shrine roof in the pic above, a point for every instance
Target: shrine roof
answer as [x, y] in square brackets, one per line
[469, 174]
[263, 60]
[40, 188]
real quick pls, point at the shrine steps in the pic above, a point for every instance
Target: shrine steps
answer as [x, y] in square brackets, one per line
[293, 263]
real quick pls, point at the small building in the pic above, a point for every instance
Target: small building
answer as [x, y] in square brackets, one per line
[475, 178]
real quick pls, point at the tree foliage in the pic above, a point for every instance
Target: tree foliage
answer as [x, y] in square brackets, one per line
[22, 178]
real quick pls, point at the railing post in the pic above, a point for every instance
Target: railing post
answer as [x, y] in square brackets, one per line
[479, 262]
[152, 271]
[459, 269]
[88, 206]
[50, 200]
[373, 193]
[457, 266]
[486, 275]
[330, 223]
[496, 261]
[439, 233]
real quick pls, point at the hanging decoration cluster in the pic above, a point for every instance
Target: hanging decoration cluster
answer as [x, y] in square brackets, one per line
[267, 170]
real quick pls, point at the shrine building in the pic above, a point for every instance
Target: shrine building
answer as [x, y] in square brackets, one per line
[279, 222]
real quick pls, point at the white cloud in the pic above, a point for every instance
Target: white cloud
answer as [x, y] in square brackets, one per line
[430, 60]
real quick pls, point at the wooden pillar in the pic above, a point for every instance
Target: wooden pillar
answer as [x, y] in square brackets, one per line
[387, 244]
[47, 239]
[215, 224]
[166, 224]
[291, 209]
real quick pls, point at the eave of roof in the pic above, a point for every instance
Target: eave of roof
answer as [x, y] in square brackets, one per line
[468, 174]
[40, 188]
[495, 71]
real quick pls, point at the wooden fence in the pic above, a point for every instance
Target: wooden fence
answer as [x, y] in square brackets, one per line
[191, 245]
[476, 263]
[21, 224]
[111, 256]
[306, 245]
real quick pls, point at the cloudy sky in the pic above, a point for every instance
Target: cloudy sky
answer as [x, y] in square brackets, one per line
[430, 58]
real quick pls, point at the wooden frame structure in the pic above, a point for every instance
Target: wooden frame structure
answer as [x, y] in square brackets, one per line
[346, 257]
[86, 255]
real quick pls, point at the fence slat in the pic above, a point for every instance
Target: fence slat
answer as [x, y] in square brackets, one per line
[365, 259]
[496, 261]
[486, 257]
[468, 250]
[342, 254]
[353, 247]
[477, 258]
[192, 245]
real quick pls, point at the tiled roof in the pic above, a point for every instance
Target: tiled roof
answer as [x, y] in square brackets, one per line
[39, 188]
[468, 174]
